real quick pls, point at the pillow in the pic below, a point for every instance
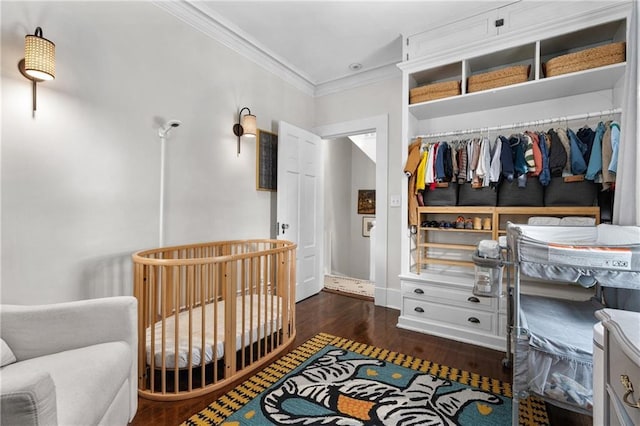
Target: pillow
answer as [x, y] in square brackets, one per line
[7, 355]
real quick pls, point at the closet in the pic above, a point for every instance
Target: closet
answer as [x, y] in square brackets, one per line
[436, 295]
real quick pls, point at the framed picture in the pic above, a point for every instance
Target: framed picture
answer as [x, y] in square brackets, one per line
[266, 161]
[366, 201]
[367, 224]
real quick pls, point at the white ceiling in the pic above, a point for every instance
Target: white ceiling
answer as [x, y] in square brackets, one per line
[318, 40]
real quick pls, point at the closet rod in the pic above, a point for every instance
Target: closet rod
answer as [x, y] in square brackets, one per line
[523, 124]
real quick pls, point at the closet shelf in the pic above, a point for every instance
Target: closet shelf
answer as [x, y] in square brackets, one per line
[577, 83]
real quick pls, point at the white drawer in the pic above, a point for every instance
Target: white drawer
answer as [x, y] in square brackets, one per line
[467, 318]
[621, 365]
[436, 294]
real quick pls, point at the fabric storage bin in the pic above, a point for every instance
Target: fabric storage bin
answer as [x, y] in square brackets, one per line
[561, 193]
[468, 196]
[586, 59]
[510, 194]
[498, 78]
[434, 91]
[441, 196]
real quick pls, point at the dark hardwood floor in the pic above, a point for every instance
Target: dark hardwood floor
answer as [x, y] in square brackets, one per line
[361, 321]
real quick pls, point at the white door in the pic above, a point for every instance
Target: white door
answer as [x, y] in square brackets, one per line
[300, 209]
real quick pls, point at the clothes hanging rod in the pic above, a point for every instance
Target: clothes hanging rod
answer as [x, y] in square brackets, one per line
[523, 124]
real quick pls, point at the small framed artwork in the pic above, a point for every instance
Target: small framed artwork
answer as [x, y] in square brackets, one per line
[367, 223]
[366, 201]
[266, 161]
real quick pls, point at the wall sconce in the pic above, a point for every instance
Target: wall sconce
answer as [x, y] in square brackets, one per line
[39, 63]
[246, 126]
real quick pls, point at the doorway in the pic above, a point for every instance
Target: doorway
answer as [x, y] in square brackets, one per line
[349, 165]
[379, 126]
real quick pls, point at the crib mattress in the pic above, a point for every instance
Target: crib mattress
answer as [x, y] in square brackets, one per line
[607, 254]
[256, 323]
[557, 360]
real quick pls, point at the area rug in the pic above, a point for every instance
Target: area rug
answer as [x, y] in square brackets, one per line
[334, 381]
[354, 287]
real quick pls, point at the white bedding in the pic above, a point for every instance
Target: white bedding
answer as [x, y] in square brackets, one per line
[263, 322]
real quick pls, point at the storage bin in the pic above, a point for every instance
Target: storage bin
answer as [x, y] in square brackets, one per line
[561, 193]
[586, 59]
[510, 194]
[441, 196]
[468, 196]
[434, 91]
[498, 78]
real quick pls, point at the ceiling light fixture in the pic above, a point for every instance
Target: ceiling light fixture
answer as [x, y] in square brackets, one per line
[355, 66]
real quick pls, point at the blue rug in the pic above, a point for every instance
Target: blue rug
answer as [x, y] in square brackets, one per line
[334, 381]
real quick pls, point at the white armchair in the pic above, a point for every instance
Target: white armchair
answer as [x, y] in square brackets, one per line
[75, 363]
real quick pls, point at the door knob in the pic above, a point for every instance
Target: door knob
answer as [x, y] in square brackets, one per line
[284, 227]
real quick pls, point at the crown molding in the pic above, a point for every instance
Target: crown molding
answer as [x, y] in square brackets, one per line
[229, 35]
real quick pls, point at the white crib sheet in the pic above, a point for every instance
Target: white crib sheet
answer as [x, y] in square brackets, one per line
[266, 320]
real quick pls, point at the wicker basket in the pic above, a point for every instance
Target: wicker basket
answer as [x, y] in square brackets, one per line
[498, 78]
[434, 91]
[585, 59]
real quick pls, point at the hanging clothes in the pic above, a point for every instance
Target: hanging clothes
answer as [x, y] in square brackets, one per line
[545, 173]
[566, 143]
[615, 141]
[506, 160]
[594, 168]
[586, 136]
[462, 162]
[578, 149]
[410, 168]
[422, 166]
[557, 154]
[495, 164]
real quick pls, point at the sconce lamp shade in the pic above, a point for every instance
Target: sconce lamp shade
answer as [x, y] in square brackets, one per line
[39, 56]
[249, 125]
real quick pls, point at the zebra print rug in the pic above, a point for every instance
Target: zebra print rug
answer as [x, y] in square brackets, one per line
[334, 381]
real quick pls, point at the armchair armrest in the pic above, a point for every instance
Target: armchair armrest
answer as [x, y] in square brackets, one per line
[36, 330]
[27, 398]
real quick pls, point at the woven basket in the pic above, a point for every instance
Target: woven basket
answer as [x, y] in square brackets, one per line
[433, 91]
[585, 59]
[498, 78]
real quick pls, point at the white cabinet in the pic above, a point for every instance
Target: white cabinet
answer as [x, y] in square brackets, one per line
[621, 367]
[531, 33]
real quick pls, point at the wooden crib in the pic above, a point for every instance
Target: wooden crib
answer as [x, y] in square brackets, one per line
[211, 313]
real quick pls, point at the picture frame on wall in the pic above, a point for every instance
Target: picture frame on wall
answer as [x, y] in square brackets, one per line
[368, 222]
[266, 161]
[366, 201]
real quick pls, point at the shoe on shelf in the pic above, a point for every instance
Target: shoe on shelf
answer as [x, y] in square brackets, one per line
[477, 223]
[468, 224]
[486, 224]
[460, 222]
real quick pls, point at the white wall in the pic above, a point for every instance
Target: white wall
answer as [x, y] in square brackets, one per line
[363, 176]
[347, 169]
[337, 201]
[80, 182]
[364, 102]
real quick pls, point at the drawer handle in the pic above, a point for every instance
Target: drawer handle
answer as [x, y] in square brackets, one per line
[473, 320]
[418, 291]
[473, 299]
[628, 386]
[419, 309]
